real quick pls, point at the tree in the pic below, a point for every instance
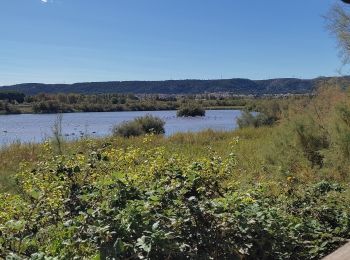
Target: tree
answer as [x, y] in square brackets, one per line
[12, 96]
[339, 26]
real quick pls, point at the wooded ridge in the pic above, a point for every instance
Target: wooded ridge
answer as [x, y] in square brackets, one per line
[236, 86]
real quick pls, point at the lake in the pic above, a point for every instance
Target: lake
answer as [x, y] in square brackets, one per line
[37, 127]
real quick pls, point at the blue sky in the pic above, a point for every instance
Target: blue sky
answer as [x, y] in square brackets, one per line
[64, 41]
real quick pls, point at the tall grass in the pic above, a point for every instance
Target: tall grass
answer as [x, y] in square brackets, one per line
[11, 158]
[57, 133]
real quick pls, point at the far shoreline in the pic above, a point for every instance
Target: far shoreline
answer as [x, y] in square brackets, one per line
[73, 112]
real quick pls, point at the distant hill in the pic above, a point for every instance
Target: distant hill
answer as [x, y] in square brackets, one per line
[235, 86]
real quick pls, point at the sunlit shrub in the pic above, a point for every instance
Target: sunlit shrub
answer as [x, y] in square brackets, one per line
[151, 124]
[139, 126]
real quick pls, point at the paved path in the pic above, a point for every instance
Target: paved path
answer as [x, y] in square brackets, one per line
[342, 253]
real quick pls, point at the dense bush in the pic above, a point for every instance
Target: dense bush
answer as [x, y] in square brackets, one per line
[190, 111]
[47, 107]
[139, 126]
[8, 108]
[248, 119]
[151, 124]
[151, 203]
[128, 129]
[313, 136]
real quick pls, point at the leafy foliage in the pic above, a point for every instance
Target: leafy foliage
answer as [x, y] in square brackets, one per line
[154, 204]
[139, 126]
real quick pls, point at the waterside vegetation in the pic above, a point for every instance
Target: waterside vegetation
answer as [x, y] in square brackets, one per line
[140, 126]
[189, 104]
[189, 110]
[68, 103]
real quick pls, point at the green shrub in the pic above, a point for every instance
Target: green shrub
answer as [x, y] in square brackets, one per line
[140, 126]
[190, 111]
[48, 107]
[248, 119]
[151, 124]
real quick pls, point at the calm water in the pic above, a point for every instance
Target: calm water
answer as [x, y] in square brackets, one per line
[36, 128]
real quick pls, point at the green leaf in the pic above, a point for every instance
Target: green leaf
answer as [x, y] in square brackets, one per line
[119, 246]
[141, 243]
[155, 226]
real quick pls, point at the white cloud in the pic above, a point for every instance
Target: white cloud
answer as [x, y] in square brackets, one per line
[44, 1]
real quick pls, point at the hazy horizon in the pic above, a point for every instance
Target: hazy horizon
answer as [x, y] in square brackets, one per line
[79, 82]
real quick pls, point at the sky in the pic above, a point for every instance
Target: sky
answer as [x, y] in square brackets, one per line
[66, 41]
